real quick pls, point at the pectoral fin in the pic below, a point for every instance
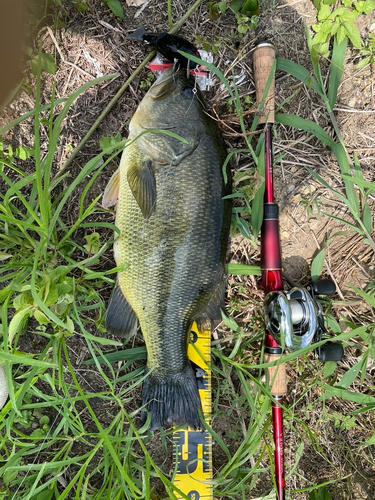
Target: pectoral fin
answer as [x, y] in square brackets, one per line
[120, 319]
[142, 183]
[111, 191]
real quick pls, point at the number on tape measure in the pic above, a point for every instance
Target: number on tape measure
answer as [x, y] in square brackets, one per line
[192, 449]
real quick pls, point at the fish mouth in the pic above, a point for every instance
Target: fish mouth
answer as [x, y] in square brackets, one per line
[164, 86]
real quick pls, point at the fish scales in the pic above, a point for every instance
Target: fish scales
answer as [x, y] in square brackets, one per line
[174, 245]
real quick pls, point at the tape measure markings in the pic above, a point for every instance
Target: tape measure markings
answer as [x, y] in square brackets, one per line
[192, 449]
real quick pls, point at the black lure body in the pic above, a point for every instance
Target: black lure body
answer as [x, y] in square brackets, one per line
[168, 45]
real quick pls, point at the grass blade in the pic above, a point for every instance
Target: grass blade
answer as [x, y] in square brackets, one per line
[301, 73]
[337, 70]
[243, 270]
[307, 125]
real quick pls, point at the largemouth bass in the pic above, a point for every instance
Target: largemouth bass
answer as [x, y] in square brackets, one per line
[174, 227]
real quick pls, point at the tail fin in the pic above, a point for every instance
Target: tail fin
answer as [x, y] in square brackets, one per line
[139, 34]
[172, 399]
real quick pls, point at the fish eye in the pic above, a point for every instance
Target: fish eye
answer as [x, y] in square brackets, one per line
[188, 92]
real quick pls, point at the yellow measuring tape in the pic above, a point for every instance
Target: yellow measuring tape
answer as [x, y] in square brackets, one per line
[192, 449]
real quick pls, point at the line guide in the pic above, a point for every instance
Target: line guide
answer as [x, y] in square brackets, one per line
[192, 450]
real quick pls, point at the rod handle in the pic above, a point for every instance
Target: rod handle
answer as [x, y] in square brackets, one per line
[276, 375]
[263, 60]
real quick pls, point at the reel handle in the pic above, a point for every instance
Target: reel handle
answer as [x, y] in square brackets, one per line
[263, 62]
[276, 375]
[331, 352]
[323, 287]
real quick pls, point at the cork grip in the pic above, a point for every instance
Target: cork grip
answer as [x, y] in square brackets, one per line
[263, 59]
[277, 376]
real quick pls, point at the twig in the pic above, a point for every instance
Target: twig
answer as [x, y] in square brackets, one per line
[147, 59]
[62, 56]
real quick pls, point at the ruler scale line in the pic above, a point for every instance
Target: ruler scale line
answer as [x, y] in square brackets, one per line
[192, 449]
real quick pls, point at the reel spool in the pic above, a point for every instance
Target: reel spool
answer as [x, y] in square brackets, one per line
[295, 319]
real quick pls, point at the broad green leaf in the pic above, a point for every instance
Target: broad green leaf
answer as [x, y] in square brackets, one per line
[93, 243]
[223, 7]
[236, 5]
[24, 153]
[324, 12]
[333, 324]
[335, 29]
[250, 6]
[369, 6]
[116, 8]
[241, 225]
[48, 63]
[40, 317]
[324, 49]
[341, 34]
[46, 494]
[337, 70]
[348, 16]
[316, 27]
[317, 265]
[362, 64]
[16, 321]
[107, 142]
[320, 494]
[353, 33]
[329, 368]
[52, 296]
[320, 37]
[70, 325]
[5, 256]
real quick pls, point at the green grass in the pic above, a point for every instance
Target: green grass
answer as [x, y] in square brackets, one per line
[59, 438]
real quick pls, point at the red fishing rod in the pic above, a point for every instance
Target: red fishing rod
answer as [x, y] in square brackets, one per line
[294, 319]
[271, 265]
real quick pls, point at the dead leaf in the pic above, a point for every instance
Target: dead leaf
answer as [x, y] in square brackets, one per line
[135, 3]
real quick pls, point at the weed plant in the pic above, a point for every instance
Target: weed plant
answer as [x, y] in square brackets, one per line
[54, 442]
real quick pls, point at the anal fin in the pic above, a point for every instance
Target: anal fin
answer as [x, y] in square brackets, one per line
[214, 306]
[120, 319]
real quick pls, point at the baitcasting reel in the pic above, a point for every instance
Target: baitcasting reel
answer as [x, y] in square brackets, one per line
[295, 319]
